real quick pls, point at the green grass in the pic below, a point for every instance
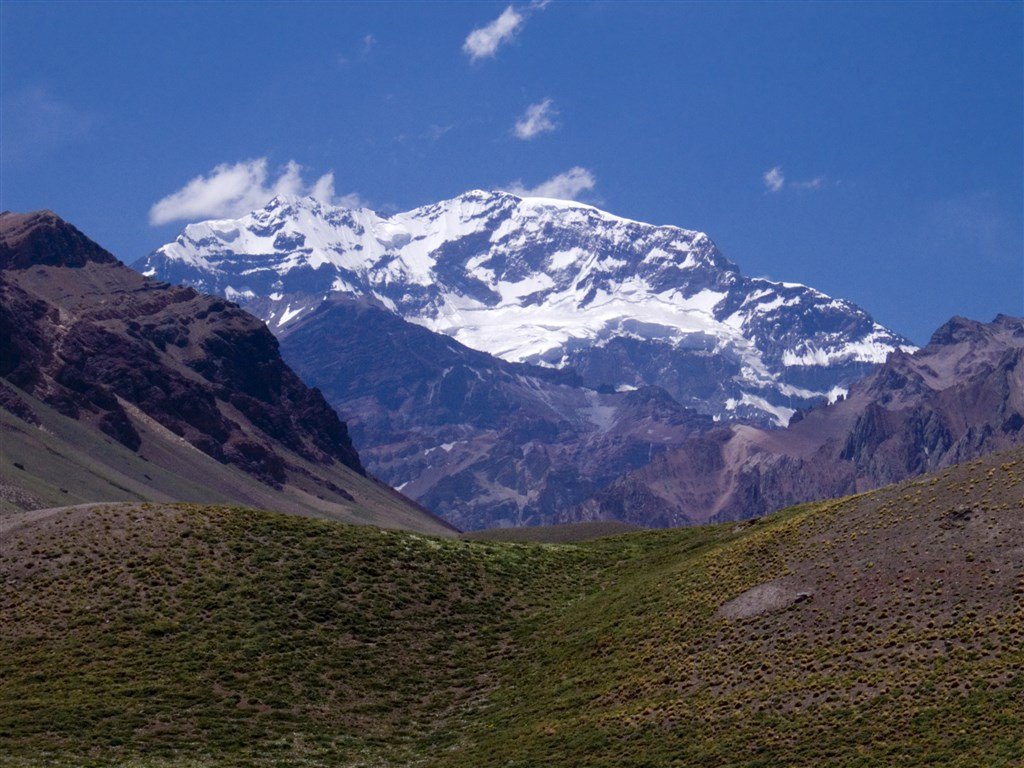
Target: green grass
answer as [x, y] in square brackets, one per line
[570, 533]
[244, 636]
[656, 679]
[159, 636]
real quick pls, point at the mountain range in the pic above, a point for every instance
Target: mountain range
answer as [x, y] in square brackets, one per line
[547, 282]
[502, 359]
[958, 398]
[133, 388]
[479, 440]
[114, 386]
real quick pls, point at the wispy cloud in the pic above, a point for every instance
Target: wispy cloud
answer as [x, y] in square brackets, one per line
[36, 123]
[774, 180]
[435, 132]
[233, 189]
[362, 52]
[814, 183]
[484, 42]
[537, 119]
[973, 222]
[564, 186]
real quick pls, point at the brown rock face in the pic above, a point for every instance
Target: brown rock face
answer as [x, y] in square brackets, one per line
[42, 238]
[86, 335]
[960, 397]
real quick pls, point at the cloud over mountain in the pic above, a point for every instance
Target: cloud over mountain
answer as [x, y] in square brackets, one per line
[564, 186]
[774, 180]
[232, 189]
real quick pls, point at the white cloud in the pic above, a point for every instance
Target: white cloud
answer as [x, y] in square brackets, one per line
[814, 183]
[538, 118]
[359, 53]
[232, 190]
[774, 179]
[564, 186]
[323, 190]
[435, 132]
[349, 200]
[483, 43]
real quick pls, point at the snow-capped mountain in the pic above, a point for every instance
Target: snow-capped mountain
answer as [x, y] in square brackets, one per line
[548, 282]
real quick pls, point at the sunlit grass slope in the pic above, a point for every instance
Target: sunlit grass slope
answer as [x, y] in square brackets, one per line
[882, 630]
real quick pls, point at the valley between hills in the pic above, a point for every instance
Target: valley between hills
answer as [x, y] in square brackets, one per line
[883, 629]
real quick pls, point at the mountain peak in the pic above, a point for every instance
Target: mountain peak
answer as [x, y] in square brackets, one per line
[1014, 325]
[545, 281]
[957, 330]
[284, 202]
[42, 238]
[477, 194]
[961, 330]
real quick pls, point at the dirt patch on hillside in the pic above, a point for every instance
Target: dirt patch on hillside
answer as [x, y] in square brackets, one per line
[769, 597]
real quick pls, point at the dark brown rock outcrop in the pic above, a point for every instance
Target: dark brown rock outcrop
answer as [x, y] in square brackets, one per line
[42, 238]
[88, 336]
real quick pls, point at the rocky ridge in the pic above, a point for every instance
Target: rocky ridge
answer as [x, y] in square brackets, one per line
[104, 346]
[958, 398]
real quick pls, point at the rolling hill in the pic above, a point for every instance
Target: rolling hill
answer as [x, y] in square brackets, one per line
[884, 629]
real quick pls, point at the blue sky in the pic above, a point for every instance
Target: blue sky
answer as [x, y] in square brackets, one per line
[871, 150]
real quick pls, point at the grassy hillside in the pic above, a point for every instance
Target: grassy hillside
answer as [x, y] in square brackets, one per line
[568, 533]
[882, 630]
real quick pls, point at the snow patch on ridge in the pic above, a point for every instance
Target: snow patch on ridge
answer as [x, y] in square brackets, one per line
[288, 314]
